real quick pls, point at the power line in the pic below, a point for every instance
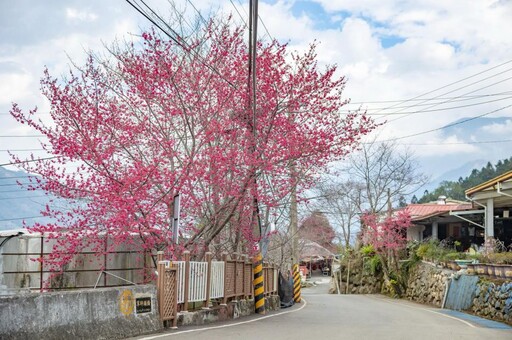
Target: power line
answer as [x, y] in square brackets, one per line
[12, 184]
[23, 197]
[11, 191]
[453, 83]
[460, 88]
[35, 113]
[21, 150]
[21, 218]
[176, 39]
[21, 136]
[27, 176]
[240, 15]
[436, 110]
[448, 125]
[461, 98]
[29, 161]
[461, 143]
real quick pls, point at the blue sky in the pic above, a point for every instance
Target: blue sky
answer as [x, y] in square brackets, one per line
[390, 52]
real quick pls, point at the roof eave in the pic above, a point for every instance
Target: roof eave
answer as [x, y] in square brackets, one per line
[503, 177]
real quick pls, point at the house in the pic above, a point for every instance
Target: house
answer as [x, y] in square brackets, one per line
[438, 220]
[484, 218]
[494, 200]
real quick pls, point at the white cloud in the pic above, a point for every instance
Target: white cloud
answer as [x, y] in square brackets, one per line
[14, 87]
[81, 15]
[498, 129]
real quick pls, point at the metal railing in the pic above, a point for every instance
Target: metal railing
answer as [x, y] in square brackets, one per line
[30, 270]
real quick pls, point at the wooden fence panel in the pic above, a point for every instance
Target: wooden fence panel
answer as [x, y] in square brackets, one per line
[230, 277]
[167, 292]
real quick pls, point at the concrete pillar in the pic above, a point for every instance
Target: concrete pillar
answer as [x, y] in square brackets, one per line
[489, 219]
[435, 234]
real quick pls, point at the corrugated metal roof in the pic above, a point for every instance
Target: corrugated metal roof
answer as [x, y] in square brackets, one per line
[425, 210]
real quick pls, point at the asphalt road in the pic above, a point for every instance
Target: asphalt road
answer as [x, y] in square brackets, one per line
[324, 316]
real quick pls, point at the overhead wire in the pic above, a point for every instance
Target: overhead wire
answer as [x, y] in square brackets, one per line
[470, 92]
[448, 125]
[181, 44]
[452, 83]
[437, 110]
[29, 161]
[461, 98]
[21, 218]
[23, 197]
[460, 143]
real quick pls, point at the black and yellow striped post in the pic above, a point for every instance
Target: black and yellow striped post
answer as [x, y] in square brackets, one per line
[259, 289]
[296, 283]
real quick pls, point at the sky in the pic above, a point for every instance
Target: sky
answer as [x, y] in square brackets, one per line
[416, 66]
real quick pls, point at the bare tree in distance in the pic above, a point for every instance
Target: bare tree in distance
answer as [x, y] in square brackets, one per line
[341, 202]
[384, 169]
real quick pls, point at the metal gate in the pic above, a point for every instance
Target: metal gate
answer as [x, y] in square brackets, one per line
[167, 292]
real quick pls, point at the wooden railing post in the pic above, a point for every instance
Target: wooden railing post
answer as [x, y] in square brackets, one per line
[208, 279]
[159, 256]
[235, 258]
[225, 259]
[186, 255]
[244, 277]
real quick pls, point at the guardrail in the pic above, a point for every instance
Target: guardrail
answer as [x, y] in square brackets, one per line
[221, 281]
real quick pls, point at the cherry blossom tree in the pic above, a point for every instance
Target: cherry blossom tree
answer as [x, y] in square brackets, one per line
[316, 228]
[388, 238]
[173, 116]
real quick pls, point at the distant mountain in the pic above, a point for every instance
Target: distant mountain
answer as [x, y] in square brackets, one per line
[17, 203]
[454, 174]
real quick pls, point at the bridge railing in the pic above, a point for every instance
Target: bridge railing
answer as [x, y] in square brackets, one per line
[202, 283]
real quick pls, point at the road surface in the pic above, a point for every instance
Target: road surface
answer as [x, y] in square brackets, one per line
[324, 316]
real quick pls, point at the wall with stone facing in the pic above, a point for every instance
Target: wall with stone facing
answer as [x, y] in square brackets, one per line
[233, 310]
[107, 313]
[360, 280]
[427, 284]
[493, 300]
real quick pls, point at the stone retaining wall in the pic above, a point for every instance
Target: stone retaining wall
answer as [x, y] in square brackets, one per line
[493, 300]
[360, 281]
[427, 284]
[232, 310]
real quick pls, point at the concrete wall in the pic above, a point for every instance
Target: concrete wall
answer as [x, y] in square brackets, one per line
[107, 313]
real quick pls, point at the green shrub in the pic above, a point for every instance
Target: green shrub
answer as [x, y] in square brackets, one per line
[453, 255]
[422, 250]
[367, 250]
[499, 258]
[373, 264]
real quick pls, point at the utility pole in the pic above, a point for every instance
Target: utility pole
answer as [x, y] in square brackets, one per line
[294, 218]
[258, 282]
[295, 237]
